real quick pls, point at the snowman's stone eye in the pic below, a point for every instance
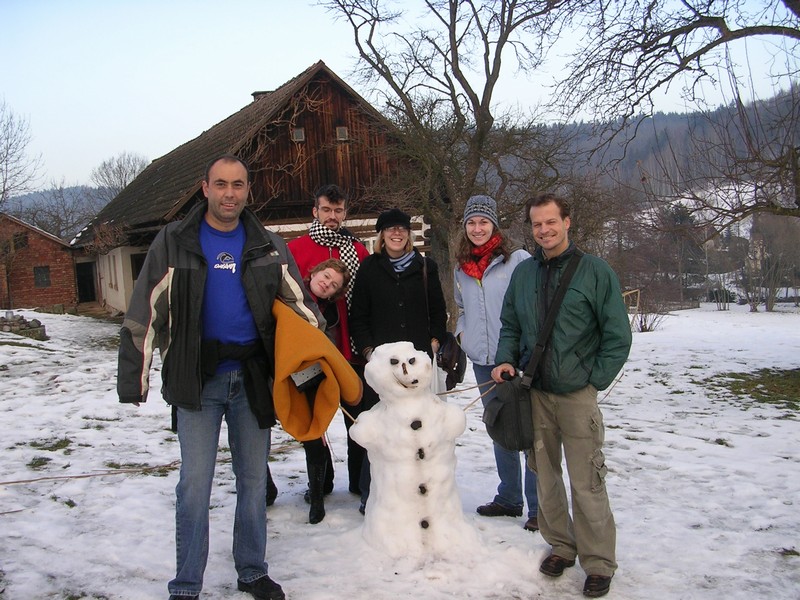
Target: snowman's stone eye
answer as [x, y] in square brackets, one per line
[394, 361]
[411, 361]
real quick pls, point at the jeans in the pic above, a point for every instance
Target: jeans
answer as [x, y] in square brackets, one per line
[198, 433]
[509, 492]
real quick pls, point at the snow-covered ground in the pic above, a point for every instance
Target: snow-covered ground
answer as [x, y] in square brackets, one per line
[705, 489]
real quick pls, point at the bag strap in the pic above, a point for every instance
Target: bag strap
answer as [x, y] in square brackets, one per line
[550, 319]
[427, 306]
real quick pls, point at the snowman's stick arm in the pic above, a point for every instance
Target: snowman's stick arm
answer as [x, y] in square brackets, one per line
[470, 405]
[347, 414]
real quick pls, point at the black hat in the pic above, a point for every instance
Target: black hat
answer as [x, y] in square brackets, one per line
[391, 218]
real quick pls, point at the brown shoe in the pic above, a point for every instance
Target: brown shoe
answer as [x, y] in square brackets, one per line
[553, 565]
[531, 524]
[596, 586]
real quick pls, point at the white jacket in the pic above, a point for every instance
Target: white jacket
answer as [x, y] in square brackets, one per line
[479, 304]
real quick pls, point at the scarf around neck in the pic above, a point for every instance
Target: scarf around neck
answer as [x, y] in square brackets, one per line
[401, 263]
[481, 257]
[324, 236]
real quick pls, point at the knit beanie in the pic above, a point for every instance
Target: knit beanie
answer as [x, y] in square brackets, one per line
[481, 206]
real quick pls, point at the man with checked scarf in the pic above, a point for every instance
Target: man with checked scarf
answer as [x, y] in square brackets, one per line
[328, 238]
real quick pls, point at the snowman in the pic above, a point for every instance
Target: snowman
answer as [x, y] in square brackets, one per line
[413, 507]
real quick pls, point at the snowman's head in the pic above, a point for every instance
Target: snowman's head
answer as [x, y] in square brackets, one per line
[398, 369]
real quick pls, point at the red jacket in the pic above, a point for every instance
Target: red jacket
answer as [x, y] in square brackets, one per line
[308, 254]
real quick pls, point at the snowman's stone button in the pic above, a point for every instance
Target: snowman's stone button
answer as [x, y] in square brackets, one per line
[421, 453]
[416, 424]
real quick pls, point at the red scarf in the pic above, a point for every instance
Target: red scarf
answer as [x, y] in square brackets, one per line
[481, 257]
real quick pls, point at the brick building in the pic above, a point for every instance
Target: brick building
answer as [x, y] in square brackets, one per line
[36, 268]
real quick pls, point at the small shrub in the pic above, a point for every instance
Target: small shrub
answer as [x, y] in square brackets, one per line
[650, 315]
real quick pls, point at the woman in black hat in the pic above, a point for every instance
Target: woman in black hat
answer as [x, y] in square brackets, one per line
[397, 297]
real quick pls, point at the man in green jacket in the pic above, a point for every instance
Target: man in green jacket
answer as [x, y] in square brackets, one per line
[588, 345]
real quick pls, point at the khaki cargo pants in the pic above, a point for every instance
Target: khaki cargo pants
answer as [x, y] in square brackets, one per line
[573, 421]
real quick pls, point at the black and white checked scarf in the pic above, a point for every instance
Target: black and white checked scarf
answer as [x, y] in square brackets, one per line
[324, 236]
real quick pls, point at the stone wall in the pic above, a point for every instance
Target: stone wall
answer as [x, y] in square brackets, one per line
[11, 323]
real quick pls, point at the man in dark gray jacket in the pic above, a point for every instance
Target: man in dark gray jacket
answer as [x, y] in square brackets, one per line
[589, 344]
[205, 296]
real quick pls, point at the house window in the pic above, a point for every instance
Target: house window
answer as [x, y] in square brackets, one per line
[41, 277]
[20, 240]
[341, 134]
[298, 134]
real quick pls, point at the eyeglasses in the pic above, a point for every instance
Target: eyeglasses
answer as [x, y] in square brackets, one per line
[396, 229]
[326, 210]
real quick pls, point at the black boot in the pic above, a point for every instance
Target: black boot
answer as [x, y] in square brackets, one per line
[272, 489]
[328, 489]
[316, 483]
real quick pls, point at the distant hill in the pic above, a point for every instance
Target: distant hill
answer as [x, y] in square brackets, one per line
[60, 211]
[672, 138]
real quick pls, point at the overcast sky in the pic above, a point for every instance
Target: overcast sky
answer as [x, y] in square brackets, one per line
[95, 78]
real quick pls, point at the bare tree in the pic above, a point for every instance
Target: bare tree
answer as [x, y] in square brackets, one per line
[115, 173]
[736, 162]
[9, 245]
[18, 171]
[435, 68]
[635, 50]
[777, 254]
[60, 210]
[106, 237]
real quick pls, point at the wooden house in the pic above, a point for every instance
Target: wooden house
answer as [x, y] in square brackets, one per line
[310, 131]
[37, 269]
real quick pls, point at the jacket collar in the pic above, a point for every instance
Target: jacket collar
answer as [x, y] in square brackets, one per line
[188, 231]
[559, 260]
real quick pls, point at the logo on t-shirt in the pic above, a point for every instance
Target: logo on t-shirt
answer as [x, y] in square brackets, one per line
[226, 262]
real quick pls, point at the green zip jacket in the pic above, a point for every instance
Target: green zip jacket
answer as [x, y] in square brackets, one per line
[591, 337]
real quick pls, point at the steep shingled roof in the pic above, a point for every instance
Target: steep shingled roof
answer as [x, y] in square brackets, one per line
[160, 192]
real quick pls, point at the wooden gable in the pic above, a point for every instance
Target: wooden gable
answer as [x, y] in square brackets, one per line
[311, 131]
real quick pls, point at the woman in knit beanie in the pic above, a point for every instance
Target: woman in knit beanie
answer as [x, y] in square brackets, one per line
[486, 259]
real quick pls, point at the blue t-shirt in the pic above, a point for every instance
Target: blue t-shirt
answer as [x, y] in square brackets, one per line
[226, 314]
